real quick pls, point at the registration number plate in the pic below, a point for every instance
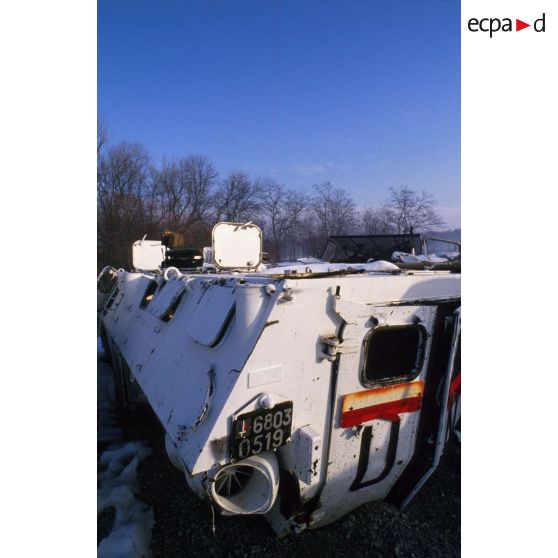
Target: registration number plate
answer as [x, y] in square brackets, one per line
[262, 430]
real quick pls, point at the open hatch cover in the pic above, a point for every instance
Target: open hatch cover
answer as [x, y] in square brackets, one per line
[237, 246]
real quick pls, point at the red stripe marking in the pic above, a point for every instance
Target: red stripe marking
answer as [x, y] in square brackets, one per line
[455, 385]
[455, 389]
[384, 411]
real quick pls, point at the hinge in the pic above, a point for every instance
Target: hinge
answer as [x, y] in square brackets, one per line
[333, 347]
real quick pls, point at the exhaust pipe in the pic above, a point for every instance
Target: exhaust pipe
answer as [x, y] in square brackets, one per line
[249, 486]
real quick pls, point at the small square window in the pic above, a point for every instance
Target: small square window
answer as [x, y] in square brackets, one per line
[393, 353]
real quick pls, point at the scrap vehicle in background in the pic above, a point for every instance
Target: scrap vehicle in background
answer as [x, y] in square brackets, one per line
[299, 391]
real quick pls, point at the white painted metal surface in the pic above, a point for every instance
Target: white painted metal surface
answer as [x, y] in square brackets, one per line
[148, 255]
[274, 362]
[237, 246]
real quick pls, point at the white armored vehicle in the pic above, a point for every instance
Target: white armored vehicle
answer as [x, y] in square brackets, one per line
[299, 391]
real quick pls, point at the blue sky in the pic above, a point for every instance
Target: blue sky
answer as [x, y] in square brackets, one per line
[363, 93]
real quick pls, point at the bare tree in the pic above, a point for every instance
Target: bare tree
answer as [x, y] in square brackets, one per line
[313, 241]
[374, 221]
[183, 189]
[334, 208]
[407, 210]
[102, 136]
[124, 192]
[282, 213]
[295, 210]
[271, 200]
[134, 199]
[236, 199]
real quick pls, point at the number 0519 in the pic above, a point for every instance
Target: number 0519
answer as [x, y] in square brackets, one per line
[262, 430]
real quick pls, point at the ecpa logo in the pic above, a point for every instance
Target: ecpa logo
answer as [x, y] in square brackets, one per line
[493, 25]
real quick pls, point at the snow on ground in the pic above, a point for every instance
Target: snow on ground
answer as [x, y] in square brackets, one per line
[117, 486]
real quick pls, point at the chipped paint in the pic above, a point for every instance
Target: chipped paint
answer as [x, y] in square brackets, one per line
[360, 399]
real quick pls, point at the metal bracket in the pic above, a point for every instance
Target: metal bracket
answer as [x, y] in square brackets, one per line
[333, 347]
[350, 311]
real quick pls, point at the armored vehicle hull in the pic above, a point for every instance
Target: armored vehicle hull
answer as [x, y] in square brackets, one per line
[299, 392]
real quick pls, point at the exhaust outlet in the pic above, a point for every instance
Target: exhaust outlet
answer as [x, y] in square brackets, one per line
[249, 486]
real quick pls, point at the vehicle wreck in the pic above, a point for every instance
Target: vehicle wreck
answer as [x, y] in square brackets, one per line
[300, 390]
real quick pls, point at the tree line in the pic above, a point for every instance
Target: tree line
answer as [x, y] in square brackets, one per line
[137, 198]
